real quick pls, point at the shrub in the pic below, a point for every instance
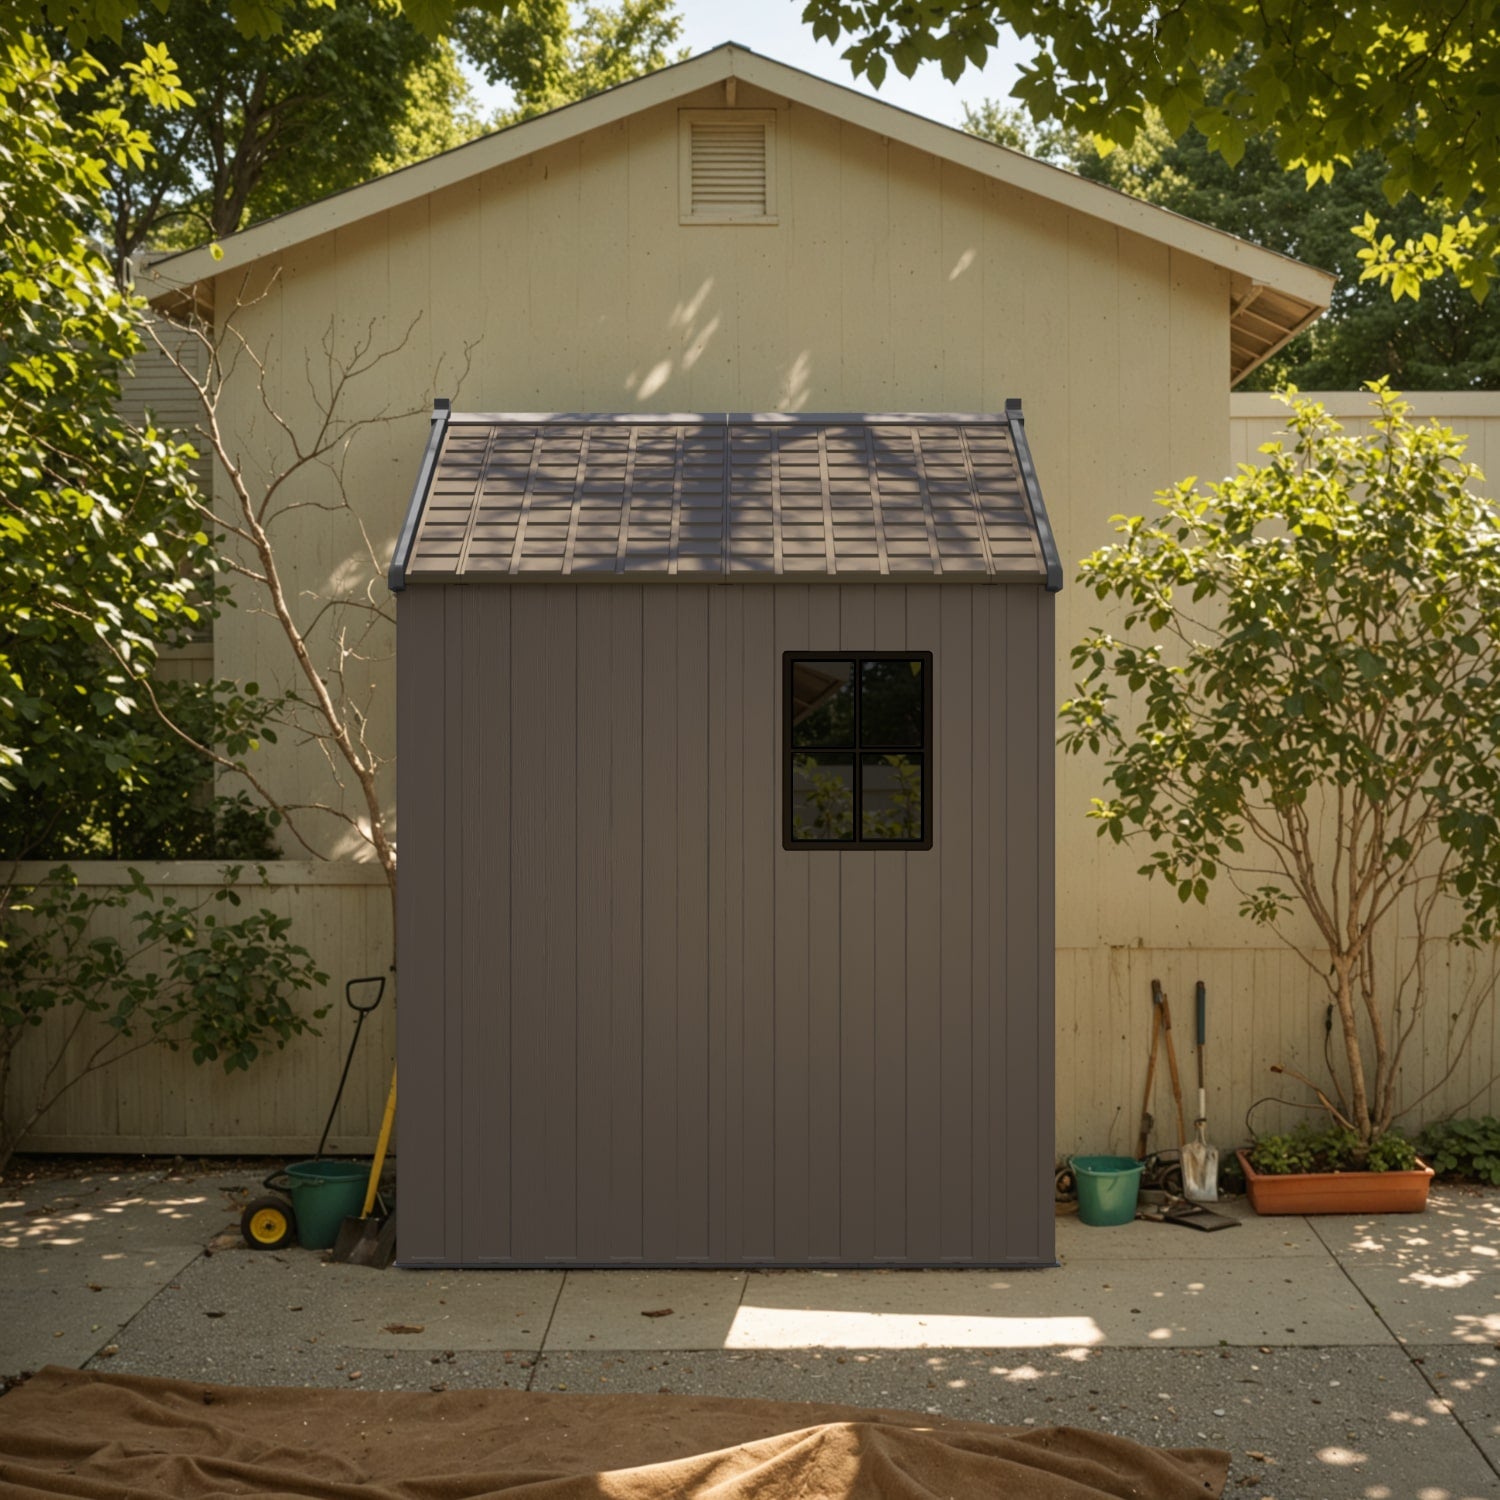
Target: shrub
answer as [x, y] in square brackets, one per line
[1467, 1148]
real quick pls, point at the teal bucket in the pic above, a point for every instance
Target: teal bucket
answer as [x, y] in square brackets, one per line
[1108, 1187]
[324, 1194]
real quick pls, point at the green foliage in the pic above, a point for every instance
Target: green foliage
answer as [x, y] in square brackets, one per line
[186, 975]
[1334, 1149]
[104, 558]
[1411, 81]
[1467, 1148]
[597, 48]
[1311, 651]
[1446, 341]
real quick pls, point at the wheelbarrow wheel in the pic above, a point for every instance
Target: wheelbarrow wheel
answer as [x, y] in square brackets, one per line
[268, 1224]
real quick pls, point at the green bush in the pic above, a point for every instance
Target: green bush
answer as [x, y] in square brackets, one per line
[1466, 1148]
[1335, 1149]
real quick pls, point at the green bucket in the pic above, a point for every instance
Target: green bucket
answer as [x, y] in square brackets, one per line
[1108, 1187]
[324, 1194]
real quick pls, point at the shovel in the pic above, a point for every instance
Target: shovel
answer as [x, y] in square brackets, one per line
[1200, 1161]
[367, 1240]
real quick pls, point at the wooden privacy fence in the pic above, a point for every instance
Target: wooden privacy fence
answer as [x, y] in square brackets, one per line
[1264, 1006]
[158, 1100]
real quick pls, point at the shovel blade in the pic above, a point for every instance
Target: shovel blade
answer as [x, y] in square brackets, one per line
[366, 1242]
[1200, 1172]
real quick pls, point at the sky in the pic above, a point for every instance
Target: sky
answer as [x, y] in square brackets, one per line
[776, 29]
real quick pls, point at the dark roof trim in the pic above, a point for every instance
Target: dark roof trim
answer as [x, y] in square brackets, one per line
[1039, 515]
[442, 409]
[737, 418]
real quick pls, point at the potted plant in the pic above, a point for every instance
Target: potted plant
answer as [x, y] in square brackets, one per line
[1324, 1171]
[1313, 716]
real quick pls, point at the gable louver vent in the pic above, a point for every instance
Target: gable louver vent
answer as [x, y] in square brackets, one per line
[728, 166]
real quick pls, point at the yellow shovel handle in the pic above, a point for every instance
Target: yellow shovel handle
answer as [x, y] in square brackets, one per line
[380, 1148]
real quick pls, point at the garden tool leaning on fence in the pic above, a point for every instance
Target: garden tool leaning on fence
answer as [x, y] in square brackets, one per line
[1200, 1161]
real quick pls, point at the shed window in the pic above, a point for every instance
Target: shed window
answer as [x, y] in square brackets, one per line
[857, 750]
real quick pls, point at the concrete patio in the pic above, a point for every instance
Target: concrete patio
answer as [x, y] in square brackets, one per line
[1334, 1357]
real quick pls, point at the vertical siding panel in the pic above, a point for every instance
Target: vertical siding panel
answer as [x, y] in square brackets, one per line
[984, 849]
[870, 1120]
[555, 363]
[653, 297]
[814, 239]
[721, 737]
[595, 922]
[484, 900]
[916, 280]
[690, 1237]
[868, 345]
[790, 993]
[995, 769]
[659, 911]
[1044, 805]
[963, 288]
[761, 843]
[734, 856]
[824, 875]
[421, 722]
[627, 912]
[534, 843]
[955, 712]
[1029, 865]
[922, 993]
[560, 798]
[456, 1002]
[603, 281]
[879, 934]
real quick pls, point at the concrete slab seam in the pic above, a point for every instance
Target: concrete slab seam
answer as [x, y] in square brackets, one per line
[1401, 1344]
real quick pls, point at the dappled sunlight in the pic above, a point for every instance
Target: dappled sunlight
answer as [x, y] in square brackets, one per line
[693, 334]
[1342, 1458]
[963, 263]
[1477, 1328]
[831, 1328]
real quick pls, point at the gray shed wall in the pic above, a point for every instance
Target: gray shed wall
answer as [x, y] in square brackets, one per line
[636, 1030]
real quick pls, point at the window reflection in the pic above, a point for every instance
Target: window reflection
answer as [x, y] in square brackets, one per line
[857, 767]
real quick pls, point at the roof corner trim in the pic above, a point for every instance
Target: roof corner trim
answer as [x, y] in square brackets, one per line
[1043, 522]
[442, 409]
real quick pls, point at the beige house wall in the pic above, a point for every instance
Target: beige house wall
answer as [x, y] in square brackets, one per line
[894, 280]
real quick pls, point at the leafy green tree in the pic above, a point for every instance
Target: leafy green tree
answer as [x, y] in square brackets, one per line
[603, 46]
[1445, 341]
[1410, 81]
[335, 96]
[104, 560]
[1312, 655]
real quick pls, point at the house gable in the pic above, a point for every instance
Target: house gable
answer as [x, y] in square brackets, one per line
[1270, 297]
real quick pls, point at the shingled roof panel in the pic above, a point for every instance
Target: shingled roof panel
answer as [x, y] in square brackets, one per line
[734, 496]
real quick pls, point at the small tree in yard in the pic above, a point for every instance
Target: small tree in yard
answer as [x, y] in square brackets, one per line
[1315, 716]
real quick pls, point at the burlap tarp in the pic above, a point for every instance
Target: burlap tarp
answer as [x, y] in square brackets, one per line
[102, 1437]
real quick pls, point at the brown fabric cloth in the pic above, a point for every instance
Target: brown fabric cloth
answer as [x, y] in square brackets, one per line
[103, 1437]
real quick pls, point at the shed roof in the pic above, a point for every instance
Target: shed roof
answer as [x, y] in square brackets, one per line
[1272, 297]
[735, 497]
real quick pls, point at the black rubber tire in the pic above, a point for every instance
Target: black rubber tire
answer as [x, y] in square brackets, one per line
[268, 1224]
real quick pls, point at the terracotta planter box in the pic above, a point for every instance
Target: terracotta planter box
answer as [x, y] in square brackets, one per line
[1337, 1192]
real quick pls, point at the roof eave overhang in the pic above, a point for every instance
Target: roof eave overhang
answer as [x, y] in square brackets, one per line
[167, 278]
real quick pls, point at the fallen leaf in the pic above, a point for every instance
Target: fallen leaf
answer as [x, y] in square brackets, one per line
[95, 1287]
[213, 1314]
[356, 1374]
[405, 1327]
[657, 1312]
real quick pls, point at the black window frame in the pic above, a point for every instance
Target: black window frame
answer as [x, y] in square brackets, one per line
[789, 752]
